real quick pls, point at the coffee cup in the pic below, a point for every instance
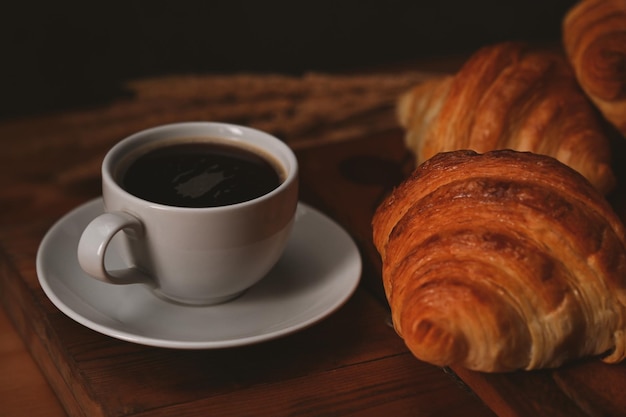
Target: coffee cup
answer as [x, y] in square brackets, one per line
[203, 210]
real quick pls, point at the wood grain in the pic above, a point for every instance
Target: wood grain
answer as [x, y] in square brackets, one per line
[19, 375]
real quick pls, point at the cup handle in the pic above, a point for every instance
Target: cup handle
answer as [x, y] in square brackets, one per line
[95, 240]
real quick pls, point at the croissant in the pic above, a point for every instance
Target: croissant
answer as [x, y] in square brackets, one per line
[594, 38]
[509, 95]
[502, 261]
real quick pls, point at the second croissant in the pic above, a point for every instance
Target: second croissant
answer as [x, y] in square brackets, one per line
[510, 96]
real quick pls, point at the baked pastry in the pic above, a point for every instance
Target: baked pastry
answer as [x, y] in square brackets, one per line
[509, 96]
[501, 261]
[594, 37]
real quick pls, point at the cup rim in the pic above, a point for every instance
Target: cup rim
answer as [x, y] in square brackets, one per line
[291, 168]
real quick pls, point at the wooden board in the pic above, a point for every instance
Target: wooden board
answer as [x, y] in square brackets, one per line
[350, 364]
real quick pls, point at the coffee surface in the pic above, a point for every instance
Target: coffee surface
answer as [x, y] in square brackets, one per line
[200, 174]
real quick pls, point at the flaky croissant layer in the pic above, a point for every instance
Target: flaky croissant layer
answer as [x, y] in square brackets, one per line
[594, 38]
[509, 96]
[501, 261]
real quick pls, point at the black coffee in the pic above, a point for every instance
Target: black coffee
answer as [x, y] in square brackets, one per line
[200, 174]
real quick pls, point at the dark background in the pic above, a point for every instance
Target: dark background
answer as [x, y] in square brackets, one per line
[65, 54]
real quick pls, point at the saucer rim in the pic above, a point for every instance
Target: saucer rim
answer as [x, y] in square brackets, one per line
[96, 205]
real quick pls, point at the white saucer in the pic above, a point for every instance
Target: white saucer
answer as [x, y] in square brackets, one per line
[318, 272]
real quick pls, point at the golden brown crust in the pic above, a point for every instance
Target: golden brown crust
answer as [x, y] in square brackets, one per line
[594, 37]
[501, 261]
[510, 96]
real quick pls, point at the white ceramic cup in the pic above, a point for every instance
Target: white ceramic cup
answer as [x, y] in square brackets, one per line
[192, 255]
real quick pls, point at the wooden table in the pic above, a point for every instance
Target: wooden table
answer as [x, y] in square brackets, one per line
[351, 363]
